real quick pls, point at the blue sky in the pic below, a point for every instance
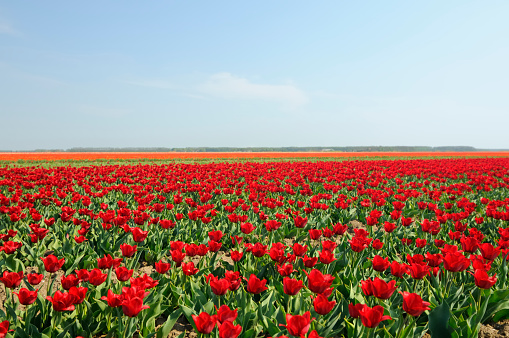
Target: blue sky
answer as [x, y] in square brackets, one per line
[258, 73]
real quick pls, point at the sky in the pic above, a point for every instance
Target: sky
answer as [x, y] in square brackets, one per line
[253, 73]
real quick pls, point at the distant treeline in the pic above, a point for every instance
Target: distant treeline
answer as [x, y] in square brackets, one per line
[268, 149]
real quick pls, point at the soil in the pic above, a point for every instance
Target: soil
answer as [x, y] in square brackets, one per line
[490, 330]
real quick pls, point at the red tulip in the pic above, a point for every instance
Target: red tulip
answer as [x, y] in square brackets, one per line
[292, 286]
[144, 282]
[204, 322]
[488, 251]
[299, 250]
[371, 317]
[298, 325]
[315, 233]
[246, 228]
[398, 269]
[78, 294]
[123, 274]
[10, 247]
[107, 262]
[96, 277]
[138, 234]
[285, 270]
[52, 263]
[4, 328]
[219, 286]
[113, 299]
[322, 305]
[189, 269]
[228, 330]
[456, 262]
[309, 262]
[326, 257]
[214, 246]
[69, 281]
[82, 274]
[354, 310]
[255, 285]
[413, 304]
[132, 306]
[300, 222]
[380, 264]
[11, 279]
[234, 278]
[34, 278]
[62, 301]
[382, 289]
[162, 267]
[215, 235]
[418, 271]
[26, 297]
[225, 314]
[128, 250]
[434, 260]
[236, 255]
[318, 282]
[482, 280]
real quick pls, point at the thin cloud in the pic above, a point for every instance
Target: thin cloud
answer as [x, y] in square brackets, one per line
[161, 84]
[102, 111]
[7, 29]
[228, 86]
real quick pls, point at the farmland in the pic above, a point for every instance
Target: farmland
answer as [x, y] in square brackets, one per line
[308, 248]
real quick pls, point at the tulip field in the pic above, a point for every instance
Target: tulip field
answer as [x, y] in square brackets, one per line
[352, 248]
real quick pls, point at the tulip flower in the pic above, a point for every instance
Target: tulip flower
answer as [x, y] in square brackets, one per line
[380, 264]
[123, 274]
[371, 317]
[318, 282]
[69, 281]
[11, 280]
[128, 250]
[26, 297]
[413, 304]
[456, 262]
[483, 280]
[322, 305]
[162, 267]
[4, 328]
[34, 278]
[299, 250]
[225, 314]
[107, 262]
[219, 286]
[131, 307]
[138, 234]
[62, 301]
[189, 269]
[78, 294]
[382, 289]
[52, 263]
[255, 285]
[236, 255]
[228, 330]
[113, 299]
[292, 286]
[96, 277]
[204, 322]
[298, 325]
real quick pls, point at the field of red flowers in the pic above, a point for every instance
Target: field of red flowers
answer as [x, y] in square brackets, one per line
[58, 156]
[387, 248]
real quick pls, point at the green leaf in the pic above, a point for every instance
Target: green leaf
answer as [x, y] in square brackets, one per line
[438, 321]
[165, 330]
